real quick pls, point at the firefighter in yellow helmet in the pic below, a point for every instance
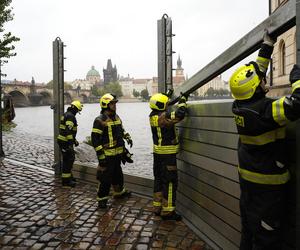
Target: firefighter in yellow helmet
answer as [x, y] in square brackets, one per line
[165, 148]
[66, 141]
[263, 169]
[108, 137]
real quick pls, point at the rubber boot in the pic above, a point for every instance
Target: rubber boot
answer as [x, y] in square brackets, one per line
[172, 216]
[68, 182]
[102, 204]
[125, 194]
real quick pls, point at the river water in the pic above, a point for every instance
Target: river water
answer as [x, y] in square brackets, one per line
[38, 122]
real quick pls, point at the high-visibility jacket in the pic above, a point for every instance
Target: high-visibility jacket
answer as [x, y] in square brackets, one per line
[164, 133]
[261, 125]
[67, 129]
[107, 135]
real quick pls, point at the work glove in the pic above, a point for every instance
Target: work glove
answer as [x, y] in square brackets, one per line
[128, 139]
[76, 143]
[126, 157]
[183, 98]
[295, 74]
[267, 39]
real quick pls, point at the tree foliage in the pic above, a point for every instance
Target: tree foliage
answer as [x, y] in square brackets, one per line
[135, 93]
[6, 38]
[113, 87]
[145, 94]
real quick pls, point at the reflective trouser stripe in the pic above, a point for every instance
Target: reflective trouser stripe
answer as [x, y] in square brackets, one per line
[119, 193]
[156, 204]
[268, 179]
[66, 175]
[102, 198]
[169, 207]
[170, 149]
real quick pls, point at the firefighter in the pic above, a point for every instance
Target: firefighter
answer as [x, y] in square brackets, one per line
[165, 147]
[263, 169]
[108, 137]
[66, 141]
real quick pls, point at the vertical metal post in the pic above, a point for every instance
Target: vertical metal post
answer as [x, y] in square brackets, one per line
[161, 48]
[298, 134]
[1, 120]
[169, 55]
[165, 54]
[58, 97]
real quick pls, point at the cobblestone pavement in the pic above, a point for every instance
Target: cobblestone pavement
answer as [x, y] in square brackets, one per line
[38, 151]
[38, 213]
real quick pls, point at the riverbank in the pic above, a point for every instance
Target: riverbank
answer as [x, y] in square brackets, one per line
[38, 151]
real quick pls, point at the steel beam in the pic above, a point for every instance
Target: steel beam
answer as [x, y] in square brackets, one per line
[280, 21]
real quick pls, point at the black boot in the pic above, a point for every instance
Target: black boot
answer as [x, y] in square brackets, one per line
[68, 182]
[125, 194]
[172, 216]
[102, 204]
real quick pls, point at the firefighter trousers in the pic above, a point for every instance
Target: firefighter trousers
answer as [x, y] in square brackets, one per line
[262, 215]
[110, 174]
[68, 156]
[165, 183]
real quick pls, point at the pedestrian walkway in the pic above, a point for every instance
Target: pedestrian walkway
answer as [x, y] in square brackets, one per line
[36, 212]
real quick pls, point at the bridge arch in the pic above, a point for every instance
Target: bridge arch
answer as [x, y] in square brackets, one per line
[19, 98]
[84, 98]
[47, 98]
[68, 98]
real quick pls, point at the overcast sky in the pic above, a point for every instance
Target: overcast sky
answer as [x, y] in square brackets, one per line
[125, 32]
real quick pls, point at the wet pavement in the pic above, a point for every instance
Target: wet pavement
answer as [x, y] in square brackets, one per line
[38, 151]
[36, 212]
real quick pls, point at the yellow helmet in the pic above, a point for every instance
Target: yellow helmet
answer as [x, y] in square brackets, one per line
[107, 99]
[77, 104]
[158, 101]
[244, 81]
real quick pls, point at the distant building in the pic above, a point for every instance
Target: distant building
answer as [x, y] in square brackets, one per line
[141, 84]
[93, 76]
[216, 83]
[283, 58]
[179, 78]
[127, 86]
[110, 74]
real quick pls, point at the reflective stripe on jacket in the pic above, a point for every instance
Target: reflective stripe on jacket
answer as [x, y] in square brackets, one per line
[164, 133]
[107, 136]
[67, 128]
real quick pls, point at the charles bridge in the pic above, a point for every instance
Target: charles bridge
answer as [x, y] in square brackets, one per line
[31, 94]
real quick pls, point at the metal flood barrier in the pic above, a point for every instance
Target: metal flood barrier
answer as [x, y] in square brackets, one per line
[208, 188]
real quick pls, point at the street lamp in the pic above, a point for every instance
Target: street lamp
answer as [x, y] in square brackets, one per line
[2, 155]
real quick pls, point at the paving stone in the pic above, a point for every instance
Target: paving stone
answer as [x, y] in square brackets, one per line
[40, 214]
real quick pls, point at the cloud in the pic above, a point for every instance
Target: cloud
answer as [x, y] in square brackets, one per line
[124, 31]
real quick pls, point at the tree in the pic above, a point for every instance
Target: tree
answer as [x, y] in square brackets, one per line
[210, 92]
[49, 85]
[145, 94]
[135, 93]
[6, 39]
